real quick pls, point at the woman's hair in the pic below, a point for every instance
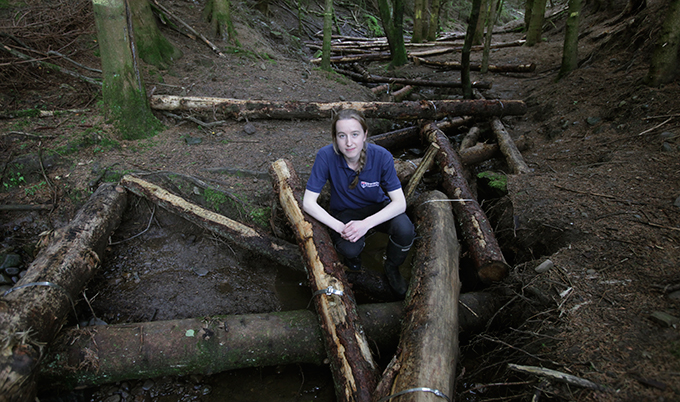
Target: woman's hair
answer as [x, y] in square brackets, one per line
[346, 114]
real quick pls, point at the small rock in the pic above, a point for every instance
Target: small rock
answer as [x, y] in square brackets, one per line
[591, 272]
[4, 288]
[677, 202]
[193, 140]
[664, 319]
[113, 398]
[674, 295]
[593, 120]
[342, 98]
[5, 279]
[249, 129]
[11, 271]
[200, 271]
[545, 266]
[263, 67]
[667, 135]
[148, 384]
[11, 260]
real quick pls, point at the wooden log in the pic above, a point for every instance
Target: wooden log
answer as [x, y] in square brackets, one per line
[247, 109]
[354, 371]
[408, 136]
[33, 311]
[425, 165]
[245, 236]
[94, 356]
[428, 345]
[495, 68]
[405, 169]
[470, 138]
[508, 148]
[410, 81]
[475, 227]
[399, 95]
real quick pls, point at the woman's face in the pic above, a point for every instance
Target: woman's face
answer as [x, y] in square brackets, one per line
[350, 138]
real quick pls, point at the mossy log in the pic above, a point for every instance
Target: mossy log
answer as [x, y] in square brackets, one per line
[245, 236]
[225, 108]
[509, 148]
[428, 345]
[354, 371]
[34, 310]
[94, 356]
[476, 230]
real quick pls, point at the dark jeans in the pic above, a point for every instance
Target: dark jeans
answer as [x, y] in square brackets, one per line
[400, 229]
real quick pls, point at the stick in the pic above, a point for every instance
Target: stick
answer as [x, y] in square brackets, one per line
[558, 376]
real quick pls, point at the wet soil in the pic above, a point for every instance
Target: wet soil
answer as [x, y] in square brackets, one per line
[599, 203]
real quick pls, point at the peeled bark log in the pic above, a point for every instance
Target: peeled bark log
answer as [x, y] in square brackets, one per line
[94, 356]
[246, 109]
[409, 81]
[425, 165]
[249, 238]
[470, 138]
[428, 346]
[503, 68]
[475, 227]
[34, 310]
[508, 148]
[354, 371]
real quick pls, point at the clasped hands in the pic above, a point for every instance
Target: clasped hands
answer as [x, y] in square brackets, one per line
[354, 230]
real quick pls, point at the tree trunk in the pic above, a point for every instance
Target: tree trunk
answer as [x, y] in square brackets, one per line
[34, 310]
[153, 47]
[535, 27]
[409, 81]
[570, 50]
[354, 371]
[428, 346]
[327, 32]
[475, 228]
[419, 7]
[224, 108]
[251, 239]
[218, 14]
[664, 65]
[94, 356]
[465, 55]
[490, 23]
[478, 37]
[433, 29]
[123, 92]
[392, 16]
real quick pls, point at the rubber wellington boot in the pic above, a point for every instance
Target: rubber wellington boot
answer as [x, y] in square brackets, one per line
[395, 256]
[353, 264]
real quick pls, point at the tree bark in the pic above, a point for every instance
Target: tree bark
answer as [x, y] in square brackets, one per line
[249, 238]
[535, 27]
[570, 49]
[327, 31]
[435, 6]
[123, 92]
[406, 137]
[409, 81]
[425, 165]
[664, 65]
[354, 371]
[94, 356]
[504, 68]
[153, 47]
[428, 345]
[475, 228]
[218, 14]
[246, 109]
[34, 310]
[465, 54]
[508, 148]
[490, 23]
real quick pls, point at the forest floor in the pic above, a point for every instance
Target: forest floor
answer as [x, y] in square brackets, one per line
[601, 202]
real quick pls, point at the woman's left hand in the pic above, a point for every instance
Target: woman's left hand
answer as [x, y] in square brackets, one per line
[354, 230]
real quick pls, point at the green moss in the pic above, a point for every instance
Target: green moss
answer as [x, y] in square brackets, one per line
[214, 198]
[497, 181]
[129, 110]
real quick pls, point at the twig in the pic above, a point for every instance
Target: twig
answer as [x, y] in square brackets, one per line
[55, 53]
[32, 207]
[657, 126]
[656, 225]
[195, 120]
[557, 375]
[586, 192]
[138, 234]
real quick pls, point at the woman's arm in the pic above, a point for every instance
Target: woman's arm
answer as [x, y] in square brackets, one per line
[356, 229]
[312, 207]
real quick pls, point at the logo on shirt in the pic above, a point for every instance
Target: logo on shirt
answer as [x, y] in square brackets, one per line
[365, 184]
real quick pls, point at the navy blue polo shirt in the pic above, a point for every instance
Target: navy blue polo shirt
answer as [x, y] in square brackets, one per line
[376, 178]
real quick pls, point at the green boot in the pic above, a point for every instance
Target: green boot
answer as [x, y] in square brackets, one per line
[395, 256]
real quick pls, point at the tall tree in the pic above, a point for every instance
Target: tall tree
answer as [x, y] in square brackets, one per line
[570, 50]
[479, 31]
[327, 32]
[467, 46]
[490, 23]
[419, 21]
[218, 13]
[392, 16]
[433, 26]
[124, 95]
[153, 47]
[664, 65]
[535, 27]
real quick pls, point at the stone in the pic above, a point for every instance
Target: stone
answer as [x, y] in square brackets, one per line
[545, 266]
[593, 120]
[664, 319]
[11, 260]
[249, 129]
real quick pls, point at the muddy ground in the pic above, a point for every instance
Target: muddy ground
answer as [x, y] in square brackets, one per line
[600, 202]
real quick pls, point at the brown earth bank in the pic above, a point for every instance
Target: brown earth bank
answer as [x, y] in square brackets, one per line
[601, 201]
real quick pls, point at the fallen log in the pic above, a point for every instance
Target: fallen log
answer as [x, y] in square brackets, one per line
[249, 238]
[470, 138]
[354, 371]
[495, 68]
[425, 165]
[428, 345]
[248, 109]
[94, 356]
[399, 95]
[475, 227]
[410, 81]
[33, 311]
[508, 148]
[408, 136]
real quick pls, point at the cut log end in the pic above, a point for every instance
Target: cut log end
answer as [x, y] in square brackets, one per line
[493, 271]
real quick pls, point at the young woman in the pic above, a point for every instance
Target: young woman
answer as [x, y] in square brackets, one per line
[365, 194]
